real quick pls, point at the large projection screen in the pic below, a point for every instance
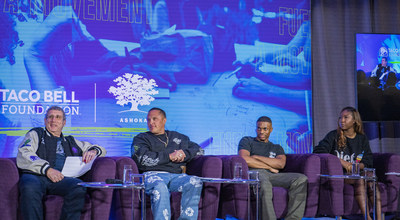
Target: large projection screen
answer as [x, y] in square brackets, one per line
[213, 66]
[378, 66]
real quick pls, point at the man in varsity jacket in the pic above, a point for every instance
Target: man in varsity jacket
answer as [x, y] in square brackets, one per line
[41, 158]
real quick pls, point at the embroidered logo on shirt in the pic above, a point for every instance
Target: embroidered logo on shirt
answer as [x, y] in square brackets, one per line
[60, 149]
[26, 143]
[33, 158]
[147, 161]
[272, 154]
[177, 141]
[342, 155]
[135, 148]
[74, 150]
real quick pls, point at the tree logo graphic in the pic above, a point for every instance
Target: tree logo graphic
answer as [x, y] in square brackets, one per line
[133, 89]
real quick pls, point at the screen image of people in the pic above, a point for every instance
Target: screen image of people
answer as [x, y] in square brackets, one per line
[377, 64]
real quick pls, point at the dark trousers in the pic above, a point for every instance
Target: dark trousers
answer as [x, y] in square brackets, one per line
[296, 183]
[33, 188]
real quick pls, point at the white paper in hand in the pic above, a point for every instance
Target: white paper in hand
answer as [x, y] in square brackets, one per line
[74, 167]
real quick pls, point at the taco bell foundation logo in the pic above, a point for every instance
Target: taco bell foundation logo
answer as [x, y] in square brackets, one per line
[35, 102]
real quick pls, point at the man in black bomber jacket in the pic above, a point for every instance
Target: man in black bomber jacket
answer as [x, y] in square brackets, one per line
[161, 154]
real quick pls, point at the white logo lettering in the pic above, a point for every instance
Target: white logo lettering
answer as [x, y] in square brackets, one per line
[345, 157]
[177, 141]
[7, 95]
[134, 89]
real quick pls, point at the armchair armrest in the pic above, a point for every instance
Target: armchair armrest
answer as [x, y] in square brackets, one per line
[233, 196]
[120, 162]
[123, 197]
[309, 165]
[330, 164]
[207, 166]
[387, 163]
[331, 190]
[103, 168]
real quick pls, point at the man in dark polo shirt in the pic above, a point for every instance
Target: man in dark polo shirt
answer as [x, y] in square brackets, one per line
[268, 158]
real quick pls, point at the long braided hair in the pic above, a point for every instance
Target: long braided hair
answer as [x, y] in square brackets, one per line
[358, 126]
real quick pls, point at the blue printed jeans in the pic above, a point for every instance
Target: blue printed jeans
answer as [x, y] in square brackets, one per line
[160, 184]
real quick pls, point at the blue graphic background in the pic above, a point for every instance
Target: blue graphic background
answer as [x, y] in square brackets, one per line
[218, 67]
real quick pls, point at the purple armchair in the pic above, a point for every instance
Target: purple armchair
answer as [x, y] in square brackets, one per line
[331, 189]
[234, 196]
[389, 185]
[339, 197]
[97, 204]
[122, 200]
[204, 166]
[233, 199]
